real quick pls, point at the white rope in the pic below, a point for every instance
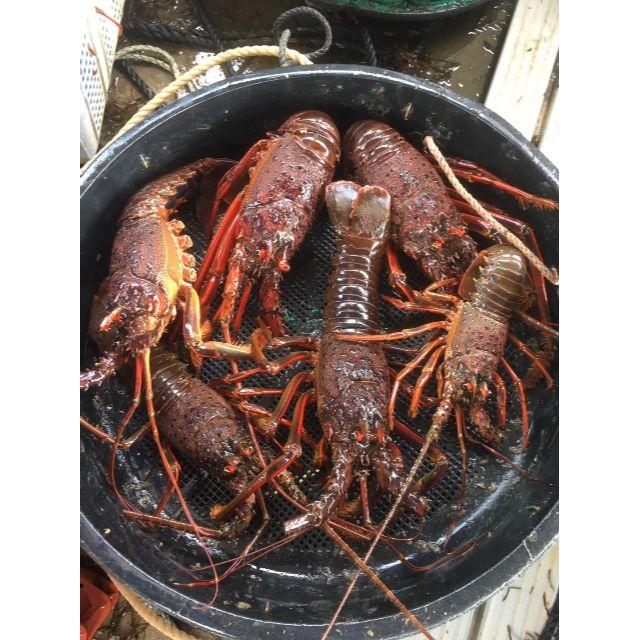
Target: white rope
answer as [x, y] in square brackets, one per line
[226, 56]
[550, 274]
[150, 616]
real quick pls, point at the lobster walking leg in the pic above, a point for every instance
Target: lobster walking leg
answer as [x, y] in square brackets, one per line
[269, 425]
[292, 450]
[472, 172]
[397, 277]
[169, 491]
[230, 179]
[523, 400]
[335, 489]
[193, 336]
[270, 297]
[423, 378]
[213, 264]
[137, 393]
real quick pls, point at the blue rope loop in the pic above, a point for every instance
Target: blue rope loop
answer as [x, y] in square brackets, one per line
[282, 35]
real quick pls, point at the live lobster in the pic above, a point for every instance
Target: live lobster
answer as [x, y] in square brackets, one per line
[150, 273]
[265, 223]
[476, 327]
[430, 222]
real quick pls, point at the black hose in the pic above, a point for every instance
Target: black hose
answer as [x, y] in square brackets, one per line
[127, 69]
[211, 32]
[162, 33]
[372, 56]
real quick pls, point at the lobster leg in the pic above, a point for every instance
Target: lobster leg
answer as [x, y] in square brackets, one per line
[335, 489]
[292, 450]
[534, 323]
[408, 368]
[411, 306]
[274, 367]
[125, 444]
[472, 172]
[394, 335]
[268, 426]
[320, 457]
[425, 376]
[193, 337]
[501, 399]
[213, 263]
[389, 466]
[237, 322]
[266, 518]
[397, 277]
[230, 179]
[168, 491]
[435, 454]
[270, 297]
[523, 401]
[135, 402]
[236, 278]
[523, 347]
[262, 338]
[500, 456]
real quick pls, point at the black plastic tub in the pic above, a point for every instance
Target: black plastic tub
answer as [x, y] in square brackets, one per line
[293, 592]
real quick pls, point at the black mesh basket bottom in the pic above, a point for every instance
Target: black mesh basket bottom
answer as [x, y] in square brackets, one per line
[303, 582]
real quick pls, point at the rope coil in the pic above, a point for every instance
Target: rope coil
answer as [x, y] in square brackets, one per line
[550, 274]
[226, 56]
[282, 38]
[156, 56]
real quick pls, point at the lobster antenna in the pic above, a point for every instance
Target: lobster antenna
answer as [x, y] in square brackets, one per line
[439, 420]
[362, 565]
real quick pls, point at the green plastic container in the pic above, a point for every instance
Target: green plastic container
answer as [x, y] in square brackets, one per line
[402, 9]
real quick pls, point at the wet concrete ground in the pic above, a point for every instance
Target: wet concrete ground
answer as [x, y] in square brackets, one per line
[459, 52]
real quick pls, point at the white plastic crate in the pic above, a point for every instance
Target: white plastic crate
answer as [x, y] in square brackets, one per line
[97, 51]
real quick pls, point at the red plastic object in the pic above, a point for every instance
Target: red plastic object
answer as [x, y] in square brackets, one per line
[98, 597]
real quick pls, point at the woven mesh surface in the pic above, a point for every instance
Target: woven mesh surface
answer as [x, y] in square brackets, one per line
[139, 469]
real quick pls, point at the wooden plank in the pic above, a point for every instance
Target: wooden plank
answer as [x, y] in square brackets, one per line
[526, 61]
[521, 609]
[518, 611]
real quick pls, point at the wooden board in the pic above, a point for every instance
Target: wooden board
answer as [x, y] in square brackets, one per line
[519, 84]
